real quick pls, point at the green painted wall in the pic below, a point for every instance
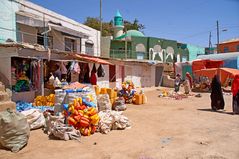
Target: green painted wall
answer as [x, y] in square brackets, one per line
[117, 49]
[8, 20]
[183, 51]
[148, 42]
[194, 51]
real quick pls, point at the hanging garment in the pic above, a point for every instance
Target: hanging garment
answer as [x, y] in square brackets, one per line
[217, 100]
[63, 68]
[93, 69]
[93, 79]
[87, 72]
[76, 68]
[100, 71]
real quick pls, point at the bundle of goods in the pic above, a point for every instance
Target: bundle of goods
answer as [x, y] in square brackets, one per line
[103, 102]
[55, 127]
[14, 130]
[67, 96]
[81, 116]
[35, 118]
[111, 92]
[112, 120]
[22, 106]
[44, 100]
[21, 86]
[119, 104]
[127, 91]
[75, 85]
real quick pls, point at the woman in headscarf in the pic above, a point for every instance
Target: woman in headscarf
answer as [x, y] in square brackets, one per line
[190, 79]
[217, 100]
[235, 94]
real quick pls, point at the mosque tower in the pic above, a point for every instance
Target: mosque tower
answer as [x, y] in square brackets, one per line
[118, 25]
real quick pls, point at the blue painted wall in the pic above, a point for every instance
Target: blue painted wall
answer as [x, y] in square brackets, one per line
[8, 20]
[194, 51]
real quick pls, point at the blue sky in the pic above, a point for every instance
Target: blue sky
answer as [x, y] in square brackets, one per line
[188, 21]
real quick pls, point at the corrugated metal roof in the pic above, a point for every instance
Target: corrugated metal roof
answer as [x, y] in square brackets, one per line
[221, 56]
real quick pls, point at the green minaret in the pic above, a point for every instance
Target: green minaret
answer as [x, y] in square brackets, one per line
[118, 25]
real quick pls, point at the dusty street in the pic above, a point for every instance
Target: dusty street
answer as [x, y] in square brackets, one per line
[162, 128]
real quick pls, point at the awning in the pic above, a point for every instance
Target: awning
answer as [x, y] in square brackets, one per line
[90, 59]
[68, 31]
[223, 73]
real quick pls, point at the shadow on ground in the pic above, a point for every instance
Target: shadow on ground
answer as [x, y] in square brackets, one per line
[219, 111]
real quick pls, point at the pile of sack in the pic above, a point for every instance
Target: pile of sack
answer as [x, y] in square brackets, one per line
[112, 120]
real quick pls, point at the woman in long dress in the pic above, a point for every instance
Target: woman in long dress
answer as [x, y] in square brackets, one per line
[235, 95]
[217, 100]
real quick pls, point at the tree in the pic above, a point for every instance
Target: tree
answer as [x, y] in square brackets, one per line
[107, 27]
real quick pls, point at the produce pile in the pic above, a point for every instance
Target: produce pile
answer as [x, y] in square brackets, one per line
[81, 116]
[44, 100]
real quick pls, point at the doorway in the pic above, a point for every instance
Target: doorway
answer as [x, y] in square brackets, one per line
[158, 75]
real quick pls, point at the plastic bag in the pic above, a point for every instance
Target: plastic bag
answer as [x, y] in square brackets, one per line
[112, 120]
[119, 104]
[35, 118]
[55, 126]
[103, 102]
[14, 130]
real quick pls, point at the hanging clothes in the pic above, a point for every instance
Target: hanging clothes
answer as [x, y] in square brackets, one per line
[100, 71]
[63, 70]
[217, 100]
[86, 75]
[93, 79]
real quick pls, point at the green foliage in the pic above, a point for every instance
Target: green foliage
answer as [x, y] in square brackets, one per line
[107, 27]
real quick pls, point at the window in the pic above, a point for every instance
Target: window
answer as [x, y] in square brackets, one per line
[89, 48]
[40, 40]
[238, 48]
[70, 44]
[226, 49]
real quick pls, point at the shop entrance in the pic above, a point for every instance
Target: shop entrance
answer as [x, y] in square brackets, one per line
[158, 75]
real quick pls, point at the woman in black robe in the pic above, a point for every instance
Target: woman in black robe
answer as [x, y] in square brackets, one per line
[235, 95]
[217, 100]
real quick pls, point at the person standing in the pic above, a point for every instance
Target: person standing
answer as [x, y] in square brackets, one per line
[217, 100]
[190, 79]
[235, 95]
[177, 82]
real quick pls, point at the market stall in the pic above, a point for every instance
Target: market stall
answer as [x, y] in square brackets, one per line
[25, 78]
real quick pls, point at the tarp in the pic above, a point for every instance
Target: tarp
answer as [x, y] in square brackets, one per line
[223, 73]
[205, 64]
[90, 59]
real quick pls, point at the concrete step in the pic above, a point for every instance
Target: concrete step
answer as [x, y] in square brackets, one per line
[8, 104]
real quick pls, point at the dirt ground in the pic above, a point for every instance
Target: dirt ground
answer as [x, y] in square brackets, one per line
[162, 128]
